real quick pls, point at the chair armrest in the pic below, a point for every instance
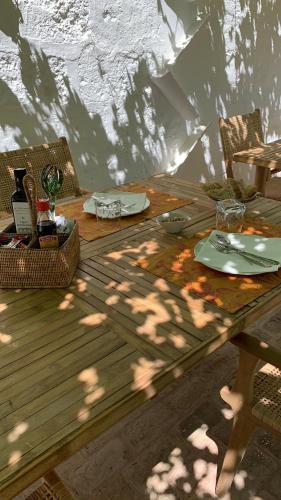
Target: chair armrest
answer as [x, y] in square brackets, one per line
[258, 348]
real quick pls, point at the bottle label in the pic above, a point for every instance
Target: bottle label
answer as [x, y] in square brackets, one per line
[49, 241]
[22, 217]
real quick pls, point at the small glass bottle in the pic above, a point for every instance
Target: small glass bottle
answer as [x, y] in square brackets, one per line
[46, 227]
[20, 205]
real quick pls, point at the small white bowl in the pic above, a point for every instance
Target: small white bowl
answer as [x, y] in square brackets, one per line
[170, 225]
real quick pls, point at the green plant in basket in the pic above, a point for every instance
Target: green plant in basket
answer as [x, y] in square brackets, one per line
[52, 180]
[230, 189]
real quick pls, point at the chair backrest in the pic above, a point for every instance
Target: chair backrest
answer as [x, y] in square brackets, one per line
[240, 132]
[34, 159]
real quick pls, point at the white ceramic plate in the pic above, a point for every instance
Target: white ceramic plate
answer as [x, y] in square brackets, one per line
[90, 207]
[199, 246]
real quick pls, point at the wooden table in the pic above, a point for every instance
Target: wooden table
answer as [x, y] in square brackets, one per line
[266, 157]
[73, 362]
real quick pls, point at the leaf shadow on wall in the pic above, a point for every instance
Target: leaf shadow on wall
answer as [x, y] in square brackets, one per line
[184, 11]
[50, 105]
[10, 19]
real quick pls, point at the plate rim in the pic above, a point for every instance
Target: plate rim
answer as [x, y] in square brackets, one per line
[224, 272]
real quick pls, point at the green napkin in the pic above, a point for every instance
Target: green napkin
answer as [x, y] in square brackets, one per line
[236, 264]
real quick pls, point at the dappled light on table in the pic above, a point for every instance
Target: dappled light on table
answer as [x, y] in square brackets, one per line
[5, 338]
[93, 319]
[15, 458]
[162, 285]
[143, 372]
[176, 264]
[176, 310]
[177, 340]
[81, 285]
[89, 378]
[66, 303]
[158, 314]
[200, 315]
[112, 300]
[17, 431]
[146, 248]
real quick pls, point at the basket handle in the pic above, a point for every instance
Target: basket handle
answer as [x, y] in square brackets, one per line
[31, 194]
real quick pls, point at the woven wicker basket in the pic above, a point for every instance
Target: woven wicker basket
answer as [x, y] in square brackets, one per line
[35, 268]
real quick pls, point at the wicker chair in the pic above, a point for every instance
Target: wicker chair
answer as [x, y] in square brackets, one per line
[34, 160]
[239, 135]
[51, 489]
[255, 400]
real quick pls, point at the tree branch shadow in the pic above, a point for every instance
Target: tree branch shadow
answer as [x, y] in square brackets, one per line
[48, 105]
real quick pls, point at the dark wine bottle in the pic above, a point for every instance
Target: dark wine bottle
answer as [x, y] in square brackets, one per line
[20, 205]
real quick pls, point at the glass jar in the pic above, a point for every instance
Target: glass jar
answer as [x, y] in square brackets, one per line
[230, 216]
[108, 209]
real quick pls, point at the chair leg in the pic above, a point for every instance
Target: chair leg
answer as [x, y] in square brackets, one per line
[242, 430]
[229, 170]
[261, 178]
[57, 486]
[269, 174]
[51, 489]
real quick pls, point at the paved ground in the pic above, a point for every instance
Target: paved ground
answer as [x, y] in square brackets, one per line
[171, 447]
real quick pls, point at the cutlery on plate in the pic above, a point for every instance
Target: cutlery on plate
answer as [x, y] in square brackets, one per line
[224, 241]
[130, 205]
[108, 201]
[251, 258]
[105, 202]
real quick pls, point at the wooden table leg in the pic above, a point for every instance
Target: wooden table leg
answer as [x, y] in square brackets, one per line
[261, 178]
[239, 398]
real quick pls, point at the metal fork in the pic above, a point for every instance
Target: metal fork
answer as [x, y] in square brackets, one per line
[250, 258]
[224, 241]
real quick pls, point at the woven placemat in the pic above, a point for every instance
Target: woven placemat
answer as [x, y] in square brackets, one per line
[90, 229]
[231, 293]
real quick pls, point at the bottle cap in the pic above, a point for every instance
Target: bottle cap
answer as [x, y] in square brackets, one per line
[43, 205]
[19, 173]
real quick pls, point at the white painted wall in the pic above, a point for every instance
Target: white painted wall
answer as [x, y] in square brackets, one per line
[82, 68]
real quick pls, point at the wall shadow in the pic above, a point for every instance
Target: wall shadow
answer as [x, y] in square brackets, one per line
[237, 58]
[45, 112]
[10, 19]
[184, 13]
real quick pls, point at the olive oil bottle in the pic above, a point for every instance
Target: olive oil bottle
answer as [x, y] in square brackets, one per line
[20, 205]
